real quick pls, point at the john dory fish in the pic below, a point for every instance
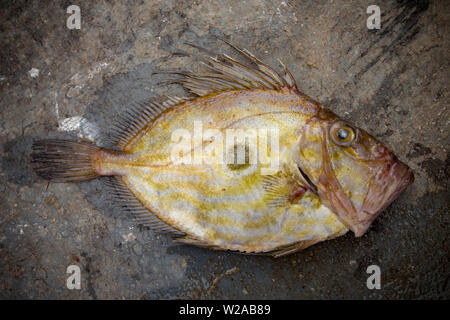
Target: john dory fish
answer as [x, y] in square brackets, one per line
[330, 177]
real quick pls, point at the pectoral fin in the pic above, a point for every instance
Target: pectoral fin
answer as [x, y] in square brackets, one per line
[281, 190]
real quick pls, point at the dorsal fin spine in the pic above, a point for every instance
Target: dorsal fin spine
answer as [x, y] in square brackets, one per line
[227, 73]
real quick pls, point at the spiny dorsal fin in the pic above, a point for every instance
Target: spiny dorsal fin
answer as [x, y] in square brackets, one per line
[139, 115]
[227, 73]
[125, 198]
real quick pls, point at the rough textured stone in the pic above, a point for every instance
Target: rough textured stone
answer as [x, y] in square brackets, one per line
[393, 82]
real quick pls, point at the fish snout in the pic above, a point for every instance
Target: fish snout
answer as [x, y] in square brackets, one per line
[386, 186]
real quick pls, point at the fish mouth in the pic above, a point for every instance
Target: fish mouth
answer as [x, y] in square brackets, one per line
[388, 184]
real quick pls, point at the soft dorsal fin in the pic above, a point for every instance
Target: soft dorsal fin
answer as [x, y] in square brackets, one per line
[138, 115]
[127, 201]
[227, 73]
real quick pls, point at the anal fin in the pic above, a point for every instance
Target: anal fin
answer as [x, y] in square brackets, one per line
[194, 242]
[276, 253]
[298, 246]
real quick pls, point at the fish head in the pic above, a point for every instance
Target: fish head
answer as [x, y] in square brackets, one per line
[355, 175]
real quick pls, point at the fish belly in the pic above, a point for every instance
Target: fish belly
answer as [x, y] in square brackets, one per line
[227, 214]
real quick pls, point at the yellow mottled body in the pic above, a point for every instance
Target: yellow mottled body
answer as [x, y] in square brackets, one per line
[212, 203]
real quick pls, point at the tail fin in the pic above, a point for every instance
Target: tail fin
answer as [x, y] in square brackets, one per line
[63, 160]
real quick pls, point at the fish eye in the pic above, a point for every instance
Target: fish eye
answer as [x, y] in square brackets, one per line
[343, 134]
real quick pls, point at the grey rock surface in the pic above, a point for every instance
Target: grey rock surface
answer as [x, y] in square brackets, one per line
[393, 82]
